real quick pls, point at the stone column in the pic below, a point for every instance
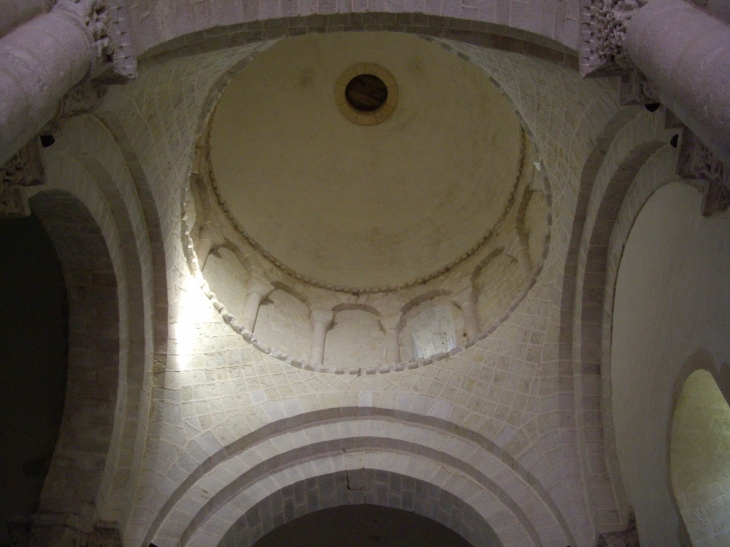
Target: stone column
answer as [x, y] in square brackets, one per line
[256, 291]
[685, 54]
[392, 326]
[41, 60]
[466, 300]
[321, 320]
[17, 12]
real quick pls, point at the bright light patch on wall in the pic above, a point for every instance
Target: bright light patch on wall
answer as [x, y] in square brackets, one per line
[185, 331]
[700, 460]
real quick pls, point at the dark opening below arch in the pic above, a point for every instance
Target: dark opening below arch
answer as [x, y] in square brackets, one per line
[33, 365]
[362, 526]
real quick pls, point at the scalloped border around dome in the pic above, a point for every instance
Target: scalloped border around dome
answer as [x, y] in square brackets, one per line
[248, 336]
[410, 364]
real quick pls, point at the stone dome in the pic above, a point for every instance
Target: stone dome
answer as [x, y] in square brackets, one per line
[349, 237]
[364, 206]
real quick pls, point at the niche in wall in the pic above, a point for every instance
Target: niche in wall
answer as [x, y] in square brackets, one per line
[227, 277]
[430, 329]
[283, 322]
[356, 338]
[700, 460]
[33, 364]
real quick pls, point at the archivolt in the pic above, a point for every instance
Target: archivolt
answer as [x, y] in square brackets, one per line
[635, 161]
[358, 486]
[87, 162]
[469, 466]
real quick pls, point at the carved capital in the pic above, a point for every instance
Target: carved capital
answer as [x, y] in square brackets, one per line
[696, 161]
[105, 22]
[392, 323]
[465, 295]
[82, 99]
[626, 538]
[259, 287]
[23, 169]
[321, 316]
[603, 32]
[93, 16]
[635, 89]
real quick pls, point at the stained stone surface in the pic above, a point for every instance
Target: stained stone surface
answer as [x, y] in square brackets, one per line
[364, 206]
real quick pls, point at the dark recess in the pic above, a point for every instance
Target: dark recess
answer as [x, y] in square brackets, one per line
[366, 92]
[33, 365]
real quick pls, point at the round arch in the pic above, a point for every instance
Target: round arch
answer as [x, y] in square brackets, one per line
[662, 312]
[93, 213]
[632, 160]
[75, 475]
[355, 487]
[468, 466]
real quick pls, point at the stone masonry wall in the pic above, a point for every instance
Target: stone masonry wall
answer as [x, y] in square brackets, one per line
[216, 389]
[154, 22]
[357, 487]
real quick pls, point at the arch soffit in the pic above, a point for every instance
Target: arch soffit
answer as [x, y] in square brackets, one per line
[352, 487]
[359, 307]
[485, 262]
[86, 146]
[658, 171]
[421, 298]
[142, 206]
[272, 26]
[242, 258]
[293, 292]
[76, 218]
[509, 522]
[209, 487]
[615, 185]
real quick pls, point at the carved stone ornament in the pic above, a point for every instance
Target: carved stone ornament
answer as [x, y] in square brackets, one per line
[93, 15]
[106, 23]
[23, 169]
[696, 161]
[636, 89]
[603, 32]
[625, 538]
[82, 99]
